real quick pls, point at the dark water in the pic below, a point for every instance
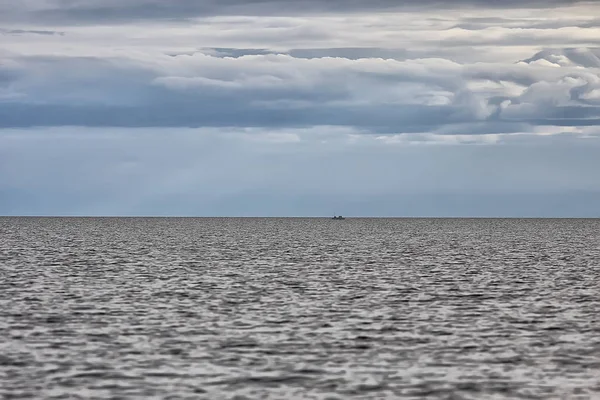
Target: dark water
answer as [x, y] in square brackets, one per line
[299, 308]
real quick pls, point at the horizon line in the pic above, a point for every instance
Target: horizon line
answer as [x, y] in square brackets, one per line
[297, 217]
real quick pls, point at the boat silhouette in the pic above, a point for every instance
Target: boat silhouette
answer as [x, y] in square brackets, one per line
[338, 217]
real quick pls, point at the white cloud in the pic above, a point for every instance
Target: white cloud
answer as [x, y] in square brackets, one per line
[257, 90]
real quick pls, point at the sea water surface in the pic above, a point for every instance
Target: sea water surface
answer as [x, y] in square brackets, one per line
[173, 308]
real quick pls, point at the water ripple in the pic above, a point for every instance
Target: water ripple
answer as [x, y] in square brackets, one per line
[299, 308]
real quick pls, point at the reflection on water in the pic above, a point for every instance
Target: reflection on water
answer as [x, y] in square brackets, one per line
[299, 308]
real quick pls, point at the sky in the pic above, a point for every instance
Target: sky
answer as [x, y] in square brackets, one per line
[300, 108]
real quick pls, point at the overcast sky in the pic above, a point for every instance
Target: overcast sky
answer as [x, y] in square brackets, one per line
[300, 108]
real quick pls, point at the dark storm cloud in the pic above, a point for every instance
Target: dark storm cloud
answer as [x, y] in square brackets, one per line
[99, 11]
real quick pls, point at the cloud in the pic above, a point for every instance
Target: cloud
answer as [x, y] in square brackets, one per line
[16, 32]
[214, 171]
[279, 90]
[194, 106]
[104, 11]
[418, 33]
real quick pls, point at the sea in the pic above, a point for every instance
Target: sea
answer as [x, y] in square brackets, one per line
[299, 308]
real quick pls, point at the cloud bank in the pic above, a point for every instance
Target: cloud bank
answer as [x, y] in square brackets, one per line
[428, 75]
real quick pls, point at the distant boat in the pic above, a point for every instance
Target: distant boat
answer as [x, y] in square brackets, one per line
[338, 217]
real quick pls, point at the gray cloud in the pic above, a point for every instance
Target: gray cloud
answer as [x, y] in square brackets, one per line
[587, 58]
[268, 90]
[15, 32]
[350, 53]
[94, 11]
